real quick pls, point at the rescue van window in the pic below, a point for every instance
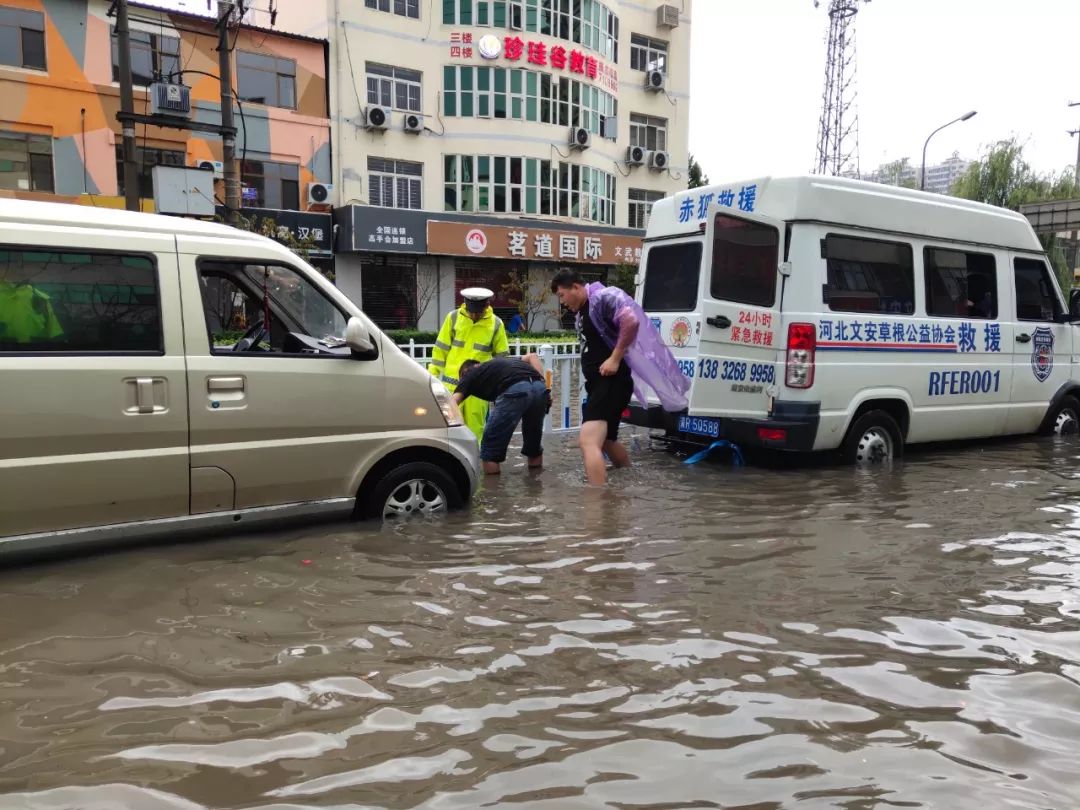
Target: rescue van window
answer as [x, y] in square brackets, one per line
[744, 261]
[869, 275]
[671, 277]
[1035, 299]
[74, 302]
[959, 284]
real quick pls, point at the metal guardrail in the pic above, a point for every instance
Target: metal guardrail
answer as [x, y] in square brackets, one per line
[562, 370]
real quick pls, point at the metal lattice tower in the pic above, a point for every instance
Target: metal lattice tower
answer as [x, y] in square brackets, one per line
[838, 127]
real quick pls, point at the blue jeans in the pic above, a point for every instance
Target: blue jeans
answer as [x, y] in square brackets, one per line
[523, 402]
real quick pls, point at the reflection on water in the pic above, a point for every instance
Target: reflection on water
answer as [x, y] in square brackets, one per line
[690, 637]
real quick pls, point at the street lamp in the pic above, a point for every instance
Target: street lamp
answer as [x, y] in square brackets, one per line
[964, 117]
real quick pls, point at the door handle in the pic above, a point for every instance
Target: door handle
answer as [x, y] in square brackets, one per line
[225, 384]
[719, 321]
[1023, 337]
[144, 395]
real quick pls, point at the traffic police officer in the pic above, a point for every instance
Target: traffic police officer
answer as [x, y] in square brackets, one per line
[471, 332]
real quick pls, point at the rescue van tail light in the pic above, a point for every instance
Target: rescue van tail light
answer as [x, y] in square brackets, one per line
[801, 355]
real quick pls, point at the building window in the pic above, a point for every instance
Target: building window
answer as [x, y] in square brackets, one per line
[403, 8]
[648, 132]
[67, 302]
[516, 185]
[475, 12]
[394, 183]
[22, 38]
[586, 22]
[647, 54]
[154, 58]
[393, 87]
[270, 185]
[524, 95]
[146, 159]
[266, 80]
[641, 203]
[25, 162]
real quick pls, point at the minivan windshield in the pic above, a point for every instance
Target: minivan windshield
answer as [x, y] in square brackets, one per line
[672, 273]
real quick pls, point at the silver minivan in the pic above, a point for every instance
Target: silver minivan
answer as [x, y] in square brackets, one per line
[163, 375]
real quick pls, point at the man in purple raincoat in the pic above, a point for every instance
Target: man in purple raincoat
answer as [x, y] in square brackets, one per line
[619, 359]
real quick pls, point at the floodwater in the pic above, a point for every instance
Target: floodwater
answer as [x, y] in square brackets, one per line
[691, 637]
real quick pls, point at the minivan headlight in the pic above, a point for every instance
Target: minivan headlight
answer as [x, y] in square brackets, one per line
[449, 409]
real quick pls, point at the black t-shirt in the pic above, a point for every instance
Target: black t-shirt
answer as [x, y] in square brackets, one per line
[594, 349]
[489, 380]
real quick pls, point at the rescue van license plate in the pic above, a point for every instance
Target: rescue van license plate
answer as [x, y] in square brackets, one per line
[700, 425]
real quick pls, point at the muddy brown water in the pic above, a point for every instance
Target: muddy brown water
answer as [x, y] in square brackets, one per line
[691, 637]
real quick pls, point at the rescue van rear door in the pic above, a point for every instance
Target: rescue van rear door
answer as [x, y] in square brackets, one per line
[738, 369]
[670, 295]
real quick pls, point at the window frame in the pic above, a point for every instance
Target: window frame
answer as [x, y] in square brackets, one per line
[264, 203]
[648, 51]
[155, 269]
[927, 250]
[645, 125]
[828, 286]
[394, 81]
[396, 177]
[157, 55]
[644, 199]
[26, 137]
[276, 73]
[392, 6]
[140, 153]
[21, 29]
[345, 354]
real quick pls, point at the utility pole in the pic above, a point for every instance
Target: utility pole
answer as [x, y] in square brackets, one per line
[231, 173]
[1075, 133]
[127, 107]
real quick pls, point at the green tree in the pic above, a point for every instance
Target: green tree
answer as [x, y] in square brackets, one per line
[623, 275]
[899, 173]
[697, 177]
[1002, 177]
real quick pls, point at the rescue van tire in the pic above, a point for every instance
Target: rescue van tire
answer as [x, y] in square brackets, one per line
[415, 488]
[1064, 419]
[873, 439]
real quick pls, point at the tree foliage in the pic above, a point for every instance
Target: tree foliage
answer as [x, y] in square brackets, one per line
[697, 178]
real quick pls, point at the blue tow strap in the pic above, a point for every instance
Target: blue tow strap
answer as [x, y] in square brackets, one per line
[736, 453]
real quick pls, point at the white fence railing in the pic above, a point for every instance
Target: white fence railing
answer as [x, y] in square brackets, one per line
[562, 368]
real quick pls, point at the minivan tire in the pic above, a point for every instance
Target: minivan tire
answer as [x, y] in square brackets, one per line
[416, 488]
[1064, 419]
[873, 439]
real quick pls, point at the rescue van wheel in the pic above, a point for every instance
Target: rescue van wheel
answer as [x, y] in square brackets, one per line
[1065, 420]
[416, 488]
[874, 439]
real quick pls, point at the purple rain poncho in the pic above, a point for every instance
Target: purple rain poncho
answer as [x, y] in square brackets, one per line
[650, 361]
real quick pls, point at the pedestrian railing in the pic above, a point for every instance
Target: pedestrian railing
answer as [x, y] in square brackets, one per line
[562, 369]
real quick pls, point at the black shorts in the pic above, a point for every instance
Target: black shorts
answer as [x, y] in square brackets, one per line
[606, 399]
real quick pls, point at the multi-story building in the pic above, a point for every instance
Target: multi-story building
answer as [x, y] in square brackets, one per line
[490, 142]
[939, 177]
[60, 93]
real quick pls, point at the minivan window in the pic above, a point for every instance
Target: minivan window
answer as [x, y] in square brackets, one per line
[239, 299]
[71, 302]
[960, 284]
[672, 273]
[869, 275]
[744, 261]
[1035, 298]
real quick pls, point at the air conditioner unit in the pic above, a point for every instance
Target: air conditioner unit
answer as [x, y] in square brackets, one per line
[635, 156]
[413, 122]
[170, 99]
[659, 161]
[377, 118]
[319, 193]
[580, 138]
[215, 166]
[667, 17]
[655, 81]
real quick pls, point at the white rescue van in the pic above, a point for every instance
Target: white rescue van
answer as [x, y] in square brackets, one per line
[816, 313]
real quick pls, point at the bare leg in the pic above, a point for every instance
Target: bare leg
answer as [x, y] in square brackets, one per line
[536, 463]
[491, 468]
[591, 439]
[617, 453]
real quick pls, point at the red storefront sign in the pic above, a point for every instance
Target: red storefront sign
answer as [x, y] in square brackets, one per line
[535, 52]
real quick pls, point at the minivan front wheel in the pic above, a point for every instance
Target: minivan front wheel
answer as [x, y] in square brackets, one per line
[1065, 419]
[873, 440]
[416, 488]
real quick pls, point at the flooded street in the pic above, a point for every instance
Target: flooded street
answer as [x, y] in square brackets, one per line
[691, 637]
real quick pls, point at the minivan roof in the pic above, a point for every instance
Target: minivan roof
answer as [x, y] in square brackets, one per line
[850, 203]
[30, 212]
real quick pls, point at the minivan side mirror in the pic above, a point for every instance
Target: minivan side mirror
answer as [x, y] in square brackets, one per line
[358, 339]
